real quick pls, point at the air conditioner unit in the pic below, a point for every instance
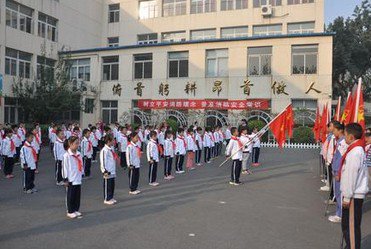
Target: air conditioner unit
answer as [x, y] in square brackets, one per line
[266, 10]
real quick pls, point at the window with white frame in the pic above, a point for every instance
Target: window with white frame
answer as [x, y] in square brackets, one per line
[304, 104]
[18, 63]
[203, 34]
[233, 4]
[217, 63]
[291, 2]
[19, 16]
[142, 66]
[178, 36]
[178, 64]
[80, 69]
[148, 9]
[45, 66]
[259, 3]
[47, 27]
[10, 110]
[234, 32]
[259, 61]
[263, 30]
[300, 28]
[114, 13]
[109, 111]
[89, 105]
[174, 7]
[203, 6]
[304, 59]
[110, 68]
[113, 41]
[147, 39]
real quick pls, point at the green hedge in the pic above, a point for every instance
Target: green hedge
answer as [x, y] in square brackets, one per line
[303, 134]
[173, 124]
[259, 124]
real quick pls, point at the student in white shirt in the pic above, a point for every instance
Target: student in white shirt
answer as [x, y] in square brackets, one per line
[246, 141]
[72, 175]
[180, 151]
[8, 151]
[199, 145]
[255, 148]
[153, 158]
[133, 155]
[122, 140]
[169, 152]
[191, 149]
[86, 152]
[217, 140]
[28, 158]
[36, 142]
[59, 151]
[207, 145]
[108, 159]
[234, 149]
[228, 134]
[17, 141]
[94, 139]
[52, 136]
[140, 142]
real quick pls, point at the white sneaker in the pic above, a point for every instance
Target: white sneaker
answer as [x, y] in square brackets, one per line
[325, 188]
[71, 215]
[334, 219]
[324, 180]
[114, 201]
[138, 191]
[28, 191]
[133, 192]
[231, 183]
[181, 172]
[110, 202]
[154, 184]
[78, 214]
[177, 172]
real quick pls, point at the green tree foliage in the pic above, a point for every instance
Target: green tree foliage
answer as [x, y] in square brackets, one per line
[303, 134]
[352, 50]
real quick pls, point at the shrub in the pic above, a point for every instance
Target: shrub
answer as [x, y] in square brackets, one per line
[259, 124]
[173, 124]
[303, 134]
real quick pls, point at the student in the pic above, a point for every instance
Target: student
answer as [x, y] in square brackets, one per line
[368, 155]
[28, 158]
[8, 152]
[212, 143]
[255, 148]
[353, 176]
[133, 154]
[52, 136]
[108, 159]
[340, 147]
[169, 151]
[72, 174]
[161, 138]
[139, 131]
[191, 149]
[86, 152]
[59, 151]
[17, 141]
[234, 149]
[180, 151]
[199, 145]
[228, 134]
[217, 139]
[122, 140]
[207, 145]
[36, 142]
[153, 158]
[22, 132]
[246, 141]
[94, 138]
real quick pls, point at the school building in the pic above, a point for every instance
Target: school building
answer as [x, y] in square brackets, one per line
[144, 61]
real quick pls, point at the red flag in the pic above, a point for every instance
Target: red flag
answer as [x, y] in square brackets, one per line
[348, 113]
[317, 125]
[277, 127]
[337, 113]
[359, 106]
[323, 124]
[289, 121]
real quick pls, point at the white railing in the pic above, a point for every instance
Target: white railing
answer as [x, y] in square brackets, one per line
[291, 145]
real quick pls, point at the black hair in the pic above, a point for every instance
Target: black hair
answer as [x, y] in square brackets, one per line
[152, 133]
[107, 128]
[71, 140]
[85, 131]
[355, 129]
[133, 134]
[180, 130]
[14, 126]
[108, 138]
[28, 134]
[233, 130]
[59, 130]
[190, 130]
[243, 128]
[93, 128]
[337, 125]
[167, 133]
[199, 129]
[66, 145]
[76, 128]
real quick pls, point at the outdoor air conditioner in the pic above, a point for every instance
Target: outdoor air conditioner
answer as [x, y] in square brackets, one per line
[266, 10]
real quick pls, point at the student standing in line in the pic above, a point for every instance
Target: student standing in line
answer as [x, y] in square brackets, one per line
[94, 138]
[169, 151]
[133, 155]
[199, 145]
[8, 152]
[246, 141]
[86, 152]
[255, 148]
[180, 151]
[234, 149]
[153, 158]
[122, 145]
[191, 149]
[59, 151]
[28, 158]
[207, 145]
[108, 159]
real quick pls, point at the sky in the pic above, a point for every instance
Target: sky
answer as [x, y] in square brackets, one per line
[335, 8]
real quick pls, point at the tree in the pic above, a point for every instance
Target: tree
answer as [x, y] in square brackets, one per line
[44, 99]
[352, 51]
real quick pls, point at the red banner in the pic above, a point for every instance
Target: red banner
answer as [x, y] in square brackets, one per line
[204, 104]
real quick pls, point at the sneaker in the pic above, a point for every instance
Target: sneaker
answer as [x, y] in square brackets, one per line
[231, 183]
[244, 172]
[11, 176]
[110, 202]
[208, 161]
[177, 172]
[198, 164]
[192, 168]
[324, 180]
[71, 215]
[171, 177]
[34, 190]
[237, 183]
[36, 171]
[334, 219]
[138, 191]
[166, 178]
[28, 191]
[7, 177]
[78, 214]
[114, 201]
[60, 183]
[154, 184]
[133, 192]
[325, 188]
[330, 202]
[181, 172]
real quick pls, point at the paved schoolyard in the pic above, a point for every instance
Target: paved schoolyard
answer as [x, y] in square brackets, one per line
[279, 206]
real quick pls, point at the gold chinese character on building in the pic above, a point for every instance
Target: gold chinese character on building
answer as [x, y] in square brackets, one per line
[217, 86]
[279, 88]
[139, 89]
[163, 89]
[191, 88]
[116, 89]
[311, 87]
[246, 86]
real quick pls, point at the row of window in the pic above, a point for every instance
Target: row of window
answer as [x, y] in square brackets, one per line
[150, 9]
[21, 17]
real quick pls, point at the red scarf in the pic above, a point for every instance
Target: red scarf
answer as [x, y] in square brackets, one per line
[184, 142]
[357, 143]
[240, 145]
[37, 138]
[12, 145]
[95, 136]
[115, 156]
[32, 149]
[174, 145]
[79, 162]
[212, 137]
[19, 137]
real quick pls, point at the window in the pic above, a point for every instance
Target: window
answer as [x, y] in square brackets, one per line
[258, 3]
[178, 64]
[109, 111]
[114, 13]
[111, 68]
[275, 29]
[304, 104]
[10, 110]
[203, 6]
[204, 34]
[174, 7]
[174, 36]
[89, 105]
[147, 38]
[47, 27]
[259, 60]
[18, 16]
[44, 66]
[17, 63]
[217, 63]
[80, 69]
[233, 4]
[304, 59]
[234, 32]
[113, 41]
[290, 2]
[300, 28]
[142, 66]
[148, 9]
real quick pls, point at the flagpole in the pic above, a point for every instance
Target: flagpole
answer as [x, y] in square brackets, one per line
[338, 109]
[358, 94]
[259, 134]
